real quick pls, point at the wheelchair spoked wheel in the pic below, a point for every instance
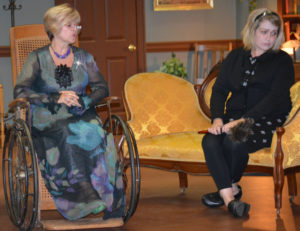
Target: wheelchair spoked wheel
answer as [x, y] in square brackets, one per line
[129, 162]
[136, 160]
[20, 179]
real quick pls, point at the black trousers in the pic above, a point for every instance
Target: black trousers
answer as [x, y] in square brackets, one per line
[226, 160]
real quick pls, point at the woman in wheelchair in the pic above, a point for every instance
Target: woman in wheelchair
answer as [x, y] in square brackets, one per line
[259, 77]
[76, 157]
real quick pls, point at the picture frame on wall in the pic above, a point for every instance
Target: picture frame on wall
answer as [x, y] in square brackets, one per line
[165, 5]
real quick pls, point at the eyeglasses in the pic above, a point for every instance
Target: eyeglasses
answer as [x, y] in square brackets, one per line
[74, 26]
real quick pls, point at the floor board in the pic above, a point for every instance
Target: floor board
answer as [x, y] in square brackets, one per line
[163, 207]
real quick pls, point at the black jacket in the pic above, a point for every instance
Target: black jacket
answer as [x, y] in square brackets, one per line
[267, 91]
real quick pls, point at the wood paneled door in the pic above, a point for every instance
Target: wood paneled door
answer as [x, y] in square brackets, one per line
[113, 31]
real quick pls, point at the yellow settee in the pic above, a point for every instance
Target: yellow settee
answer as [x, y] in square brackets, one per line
[165, 114]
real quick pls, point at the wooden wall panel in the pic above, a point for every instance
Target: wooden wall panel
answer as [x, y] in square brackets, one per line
[115, 14]
[188, 45]
[87, 13]
[116, 67]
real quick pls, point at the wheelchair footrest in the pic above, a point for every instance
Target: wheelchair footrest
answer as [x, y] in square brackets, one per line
[84, 223]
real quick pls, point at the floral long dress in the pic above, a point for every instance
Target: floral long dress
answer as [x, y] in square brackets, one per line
[77, 158]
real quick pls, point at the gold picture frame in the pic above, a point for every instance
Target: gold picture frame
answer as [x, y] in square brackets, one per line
[164, 5]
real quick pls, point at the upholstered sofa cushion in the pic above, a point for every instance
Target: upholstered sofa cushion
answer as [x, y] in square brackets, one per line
[186, 146]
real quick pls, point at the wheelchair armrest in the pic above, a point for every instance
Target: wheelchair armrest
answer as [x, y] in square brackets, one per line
[19, 107]
[19, 102]
[106, 104]
[106, 101]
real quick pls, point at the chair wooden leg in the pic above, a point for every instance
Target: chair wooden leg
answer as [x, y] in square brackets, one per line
[278, 172]
[183, 181]
[292, 183]
[278, 185]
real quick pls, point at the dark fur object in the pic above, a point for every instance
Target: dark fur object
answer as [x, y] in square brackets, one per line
[241, 131]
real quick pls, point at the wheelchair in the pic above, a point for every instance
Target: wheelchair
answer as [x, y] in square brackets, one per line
[21, 177]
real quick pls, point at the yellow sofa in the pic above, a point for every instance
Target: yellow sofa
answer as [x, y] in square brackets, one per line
[165, 115]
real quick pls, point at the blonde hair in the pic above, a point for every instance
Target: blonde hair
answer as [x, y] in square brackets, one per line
[58, 16]
[254, 20]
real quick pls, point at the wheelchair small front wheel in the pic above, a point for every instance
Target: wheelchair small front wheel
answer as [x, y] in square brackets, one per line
[20, 179]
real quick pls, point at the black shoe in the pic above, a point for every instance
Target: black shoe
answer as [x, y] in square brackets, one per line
[238, 208]
[238, 196]
[214, 199]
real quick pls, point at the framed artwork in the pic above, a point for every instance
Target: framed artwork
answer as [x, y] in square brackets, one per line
[163, 5]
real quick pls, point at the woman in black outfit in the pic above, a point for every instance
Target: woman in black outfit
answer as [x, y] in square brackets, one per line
[259, 77]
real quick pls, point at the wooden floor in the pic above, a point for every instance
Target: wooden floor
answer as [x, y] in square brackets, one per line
[163, 208]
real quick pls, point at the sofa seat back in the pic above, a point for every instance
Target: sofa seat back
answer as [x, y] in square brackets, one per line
[159, 103]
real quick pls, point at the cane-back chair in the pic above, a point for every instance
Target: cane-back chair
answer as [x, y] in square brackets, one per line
[165, 115]
[25, 39]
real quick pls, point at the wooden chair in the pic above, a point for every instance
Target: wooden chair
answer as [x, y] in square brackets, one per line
[24, 39]
[207, 56]
[165, 116]
[1, 117]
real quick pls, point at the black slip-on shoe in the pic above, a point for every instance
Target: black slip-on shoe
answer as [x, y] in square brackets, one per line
[214, 199]
[238, 196]
[238, 208]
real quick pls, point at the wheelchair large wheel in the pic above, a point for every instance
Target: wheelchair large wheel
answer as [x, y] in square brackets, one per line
[20, 178]
[129, 162]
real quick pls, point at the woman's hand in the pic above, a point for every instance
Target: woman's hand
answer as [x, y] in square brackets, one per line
[216, 127]
[226, 128]
[69, 98]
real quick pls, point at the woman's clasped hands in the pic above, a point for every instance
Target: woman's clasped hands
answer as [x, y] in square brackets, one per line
[218, 127]
[69, 98]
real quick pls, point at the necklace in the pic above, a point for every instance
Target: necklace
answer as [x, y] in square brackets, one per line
[61, 56]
